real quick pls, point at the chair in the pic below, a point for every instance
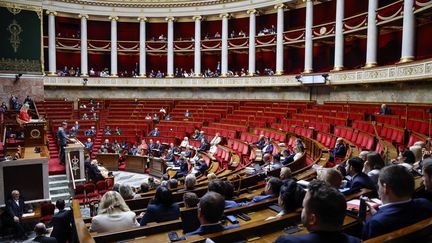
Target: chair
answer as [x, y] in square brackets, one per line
[80, 193]
[91, 193]
[110, 183]
[47, 212]
[101, 187]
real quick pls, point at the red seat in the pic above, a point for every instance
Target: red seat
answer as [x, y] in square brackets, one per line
[101, 187]
[79, 193]
[91, 193]
[47, 211]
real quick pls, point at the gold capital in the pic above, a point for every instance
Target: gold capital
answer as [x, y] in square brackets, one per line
[280, 5]
[83, 16]
[144, 19]
[51, 12]
[226, 15]
[168, 19]
[113, 18]
[251, 11]
[197, 17]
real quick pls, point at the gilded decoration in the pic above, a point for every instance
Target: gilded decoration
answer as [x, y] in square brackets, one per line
[150, 3]
[15, 30]
[20, 65]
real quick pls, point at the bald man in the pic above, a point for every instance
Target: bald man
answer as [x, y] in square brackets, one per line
[40, 231]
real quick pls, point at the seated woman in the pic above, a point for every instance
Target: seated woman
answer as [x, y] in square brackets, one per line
[162, 208]
[113, 214]
[290, 197]
[23, 115]
[127, 193]
[373, 165]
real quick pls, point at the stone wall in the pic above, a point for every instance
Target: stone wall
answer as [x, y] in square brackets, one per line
[26, 85]
[416, 92]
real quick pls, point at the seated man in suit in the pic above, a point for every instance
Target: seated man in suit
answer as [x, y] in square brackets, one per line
[183, 167]
[359, 179]
[107, 131]
[40, 230]
[210, 211]
[271, 190]
[62, 223]
[323, 215]
[89, 145]
[261, 142]
[384, 110]
[169, 156]
[158, 148]
[203, 146]
[427, 179]
[13, 214]
[151, 146]
[162, 208]
[201, 136]
[226, 189]
[287, 158]
[90, 132]
[154, 133]
[339, 150]
[395, 187]
[201, 167]
[107, 144]
[187, 114]
[268, 147]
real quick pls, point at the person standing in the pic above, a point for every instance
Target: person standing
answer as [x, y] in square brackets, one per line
[62, 138]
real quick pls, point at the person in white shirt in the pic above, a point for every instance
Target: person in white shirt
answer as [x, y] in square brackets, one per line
[185, 142]
[214, 142]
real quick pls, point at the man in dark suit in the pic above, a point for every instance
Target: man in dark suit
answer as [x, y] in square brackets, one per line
[62, 138]
[154, 133]
[210, 211]
[203, 146]
[260, 143]
[323, 215]
[339, 150]
[268, 147]
[201, 166]
[13, 213]
[384, 110]
[61, 223]
[359, 179]
[427, 179]
[396, 186]
[184, 167]
[40, 230]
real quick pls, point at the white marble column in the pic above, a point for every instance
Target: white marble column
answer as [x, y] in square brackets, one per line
[408, 32]
[52, 66]
[142, 47]
[252, 33]
[372, 35]
[113, 46]
[308, 59]
[224, 54]
[84, 51]
[197, 50]
[339, 37]
[170, 47]
[279, 38]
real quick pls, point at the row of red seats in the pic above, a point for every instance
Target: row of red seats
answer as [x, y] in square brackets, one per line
[392, 134]
[273, 134]
[364, 126]
[318, 126]
[91, 191]
[175, 128]
[362, 140]
[223, 155]
[236, 127]
[238, 146]
[419, 126]
[249, 137]
[223, 132]
[328, 140]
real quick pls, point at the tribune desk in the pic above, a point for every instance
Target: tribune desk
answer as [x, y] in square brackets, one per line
[29, 175]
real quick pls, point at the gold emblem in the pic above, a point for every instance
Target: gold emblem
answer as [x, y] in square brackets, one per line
[15, 30]
[35, 133]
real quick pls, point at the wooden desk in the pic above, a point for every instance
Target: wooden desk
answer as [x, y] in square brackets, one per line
[109, 161]
[136, 164]
[157, 167]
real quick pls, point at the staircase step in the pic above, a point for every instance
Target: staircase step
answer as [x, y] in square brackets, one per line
[58, 190]
[64, 196]
[57, 178]
[58, 183]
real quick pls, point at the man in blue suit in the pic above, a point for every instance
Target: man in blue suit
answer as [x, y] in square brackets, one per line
[323, 215]
[210, 211]
[359, 179]
[62, 138]
[271, 190]
[268, 147]
[339, 150]
[260, 143]
[154, 133]
[395, 188]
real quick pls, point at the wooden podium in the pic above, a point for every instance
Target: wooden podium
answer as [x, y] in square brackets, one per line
[109, 161]
[75, 161]
[157, 167]
[136, 164]
[34, 133]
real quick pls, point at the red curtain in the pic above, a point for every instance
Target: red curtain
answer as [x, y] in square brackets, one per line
[157, 62]
[210, 60]
[184, 61]
[295, 19]
[69, 59]
[265, 58]
[389, 48]
[237, 61]
[68, 27]
[211, 27]
[354, 53]
[354, 7]
[293, 60]
[127, 62]
[266, 21]
[99, 30]
[324, 12]
[127, 31]
[423, 40]
[99, 61]
[154, 30]
[241, 24]
[184, 30]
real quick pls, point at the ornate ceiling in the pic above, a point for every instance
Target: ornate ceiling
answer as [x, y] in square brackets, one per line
[151, 3]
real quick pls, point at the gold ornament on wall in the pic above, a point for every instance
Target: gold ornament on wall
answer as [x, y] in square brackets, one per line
[15, 29]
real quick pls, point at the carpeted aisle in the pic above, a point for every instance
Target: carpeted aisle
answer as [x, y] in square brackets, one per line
[54, 168]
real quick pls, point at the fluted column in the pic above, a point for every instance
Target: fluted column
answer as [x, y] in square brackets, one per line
[408, 32]
[84, 52]
[170, 54]
[197, 50]
[279, 39]
[372, 37]
[252, 32]
[142, 47]
[339, 37]
[113, 45]
[308, 61]
[224, 54]
[52, 66]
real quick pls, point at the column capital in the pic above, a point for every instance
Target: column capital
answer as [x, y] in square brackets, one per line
[280, 5]
[226, 15]
[170, 19]
[83, 16]
[142, 19]
[252, 11]
[113, 18]
[51, 12]
[197, 17]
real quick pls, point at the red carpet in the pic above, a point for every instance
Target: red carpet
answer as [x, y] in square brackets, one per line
[54, 168]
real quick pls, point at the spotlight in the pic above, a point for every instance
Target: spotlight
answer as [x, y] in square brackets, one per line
[298, 77]
[85, 80]
[17, 77]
